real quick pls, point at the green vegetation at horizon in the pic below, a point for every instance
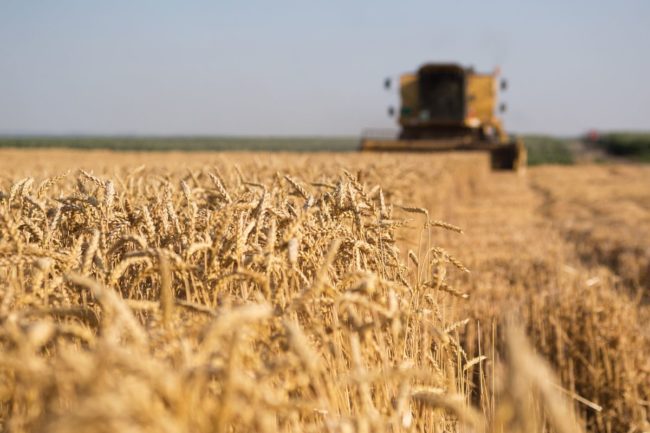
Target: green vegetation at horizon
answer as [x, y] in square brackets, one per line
[545, 149]
[126, 143]
[632, 145]
[542, 149]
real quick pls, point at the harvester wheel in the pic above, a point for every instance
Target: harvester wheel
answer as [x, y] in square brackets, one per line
[511, 156]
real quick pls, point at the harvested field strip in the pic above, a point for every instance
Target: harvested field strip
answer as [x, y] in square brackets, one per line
[579, 313]
[606, 214]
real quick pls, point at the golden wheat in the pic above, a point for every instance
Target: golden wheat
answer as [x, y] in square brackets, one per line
[224, 293]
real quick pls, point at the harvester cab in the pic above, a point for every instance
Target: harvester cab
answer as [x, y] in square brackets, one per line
[447, 107]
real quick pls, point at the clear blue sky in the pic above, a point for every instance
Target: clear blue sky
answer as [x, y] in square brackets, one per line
[310, 68]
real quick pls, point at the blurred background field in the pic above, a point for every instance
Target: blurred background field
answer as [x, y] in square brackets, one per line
[542, 149]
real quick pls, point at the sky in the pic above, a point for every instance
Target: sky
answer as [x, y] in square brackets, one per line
[281, 67]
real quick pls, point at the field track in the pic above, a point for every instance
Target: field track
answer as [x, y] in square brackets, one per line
[561, 250]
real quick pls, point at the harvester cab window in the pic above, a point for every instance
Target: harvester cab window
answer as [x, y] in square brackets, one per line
[442, 95]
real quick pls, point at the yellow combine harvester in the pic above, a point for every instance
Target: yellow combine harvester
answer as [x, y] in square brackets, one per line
[448, 107]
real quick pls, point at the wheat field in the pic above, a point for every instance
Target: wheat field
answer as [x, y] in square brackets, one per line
[283, 292]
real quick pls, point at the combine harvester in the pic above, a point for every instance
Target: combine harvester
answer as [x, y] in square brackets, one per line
[446, 107]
